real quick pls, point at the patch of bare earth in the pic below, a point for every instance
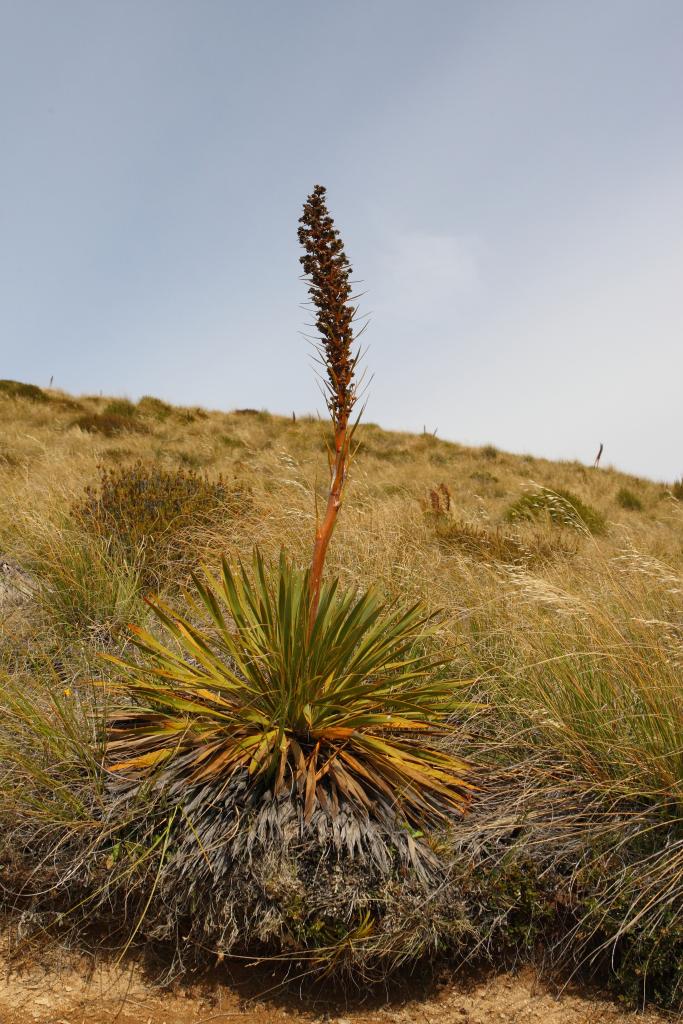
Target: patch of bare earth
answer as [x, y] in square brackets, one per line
[74, 991]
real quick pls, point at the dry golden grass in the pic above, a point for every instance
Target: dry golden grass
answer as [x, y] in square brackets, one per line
[575, 640]
[505, 612]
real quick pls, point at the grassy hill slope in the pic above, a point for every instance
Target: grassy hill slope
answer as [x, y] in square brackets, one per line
[561, 593]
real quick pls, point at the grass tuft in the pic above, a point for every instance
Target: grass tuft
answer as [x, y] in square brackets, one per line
[629, 500]
[16, 389]
[561, 507]
[108, 424]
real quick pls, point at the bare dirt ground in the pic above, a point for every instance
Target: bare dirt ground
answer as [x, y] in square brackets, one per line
[66, 990]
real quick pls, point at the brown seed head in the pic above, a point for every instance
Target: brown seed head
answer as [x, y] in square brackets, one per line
[328, 271]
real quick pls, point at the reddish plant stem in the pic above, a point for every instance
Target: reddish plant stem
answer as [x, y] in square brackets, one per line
[324, 528]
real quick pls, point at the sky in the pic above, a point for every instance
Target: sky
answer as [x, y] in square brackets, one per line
[507, 177]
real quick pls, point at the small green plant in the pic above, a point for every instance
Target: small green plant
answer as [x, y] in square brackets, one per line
[561, 507]
[16, 389]
[628, 500]
[153, 513]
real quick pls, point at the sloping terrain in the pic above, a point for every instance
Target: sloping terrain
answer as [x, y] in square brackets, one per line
[561, 597]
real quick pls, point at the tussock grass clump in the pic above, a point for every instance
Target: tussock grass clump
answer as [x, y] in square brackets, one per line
[489, 543]
[109, 424]
[154, 514]
[629, 500]
[82, 583]
[231, 441]
[120, 407]
[17, 389]
[154, 407]
[559, 506]
[677, 489]
[8, 458]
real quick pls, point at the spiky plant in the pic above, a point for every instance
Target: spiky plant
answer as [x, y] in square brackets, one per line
[335, 717]
[280, 697]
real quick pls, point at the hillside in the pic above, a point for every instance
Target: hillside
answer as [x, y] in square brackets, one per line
[560, 597]
[56, 443]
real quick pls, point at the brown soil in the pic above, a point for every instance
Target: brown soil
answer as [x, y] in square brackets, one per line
[71, 991]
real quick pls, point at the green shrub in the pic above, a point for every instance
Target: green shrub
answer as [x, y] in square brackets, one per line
[562, 508]
[152, 513]
[154, 407]
[627, 499]
[120, 407]
[16, 389]
[108, 424]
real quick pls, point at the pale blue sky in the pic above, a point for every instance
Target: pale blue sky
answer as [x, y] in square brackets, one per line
[507, 176]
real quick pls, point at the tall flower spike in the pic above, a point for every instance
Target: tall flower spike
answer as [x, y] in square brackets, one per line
[328, 272]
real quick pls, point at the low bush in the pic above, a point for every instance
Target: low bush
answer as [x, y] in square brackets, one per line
[154, 407]
[628, 500]
[120, 407]
[153, 513]
[16, 389]
[108, 424]
[561, 507]
[677, 489]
